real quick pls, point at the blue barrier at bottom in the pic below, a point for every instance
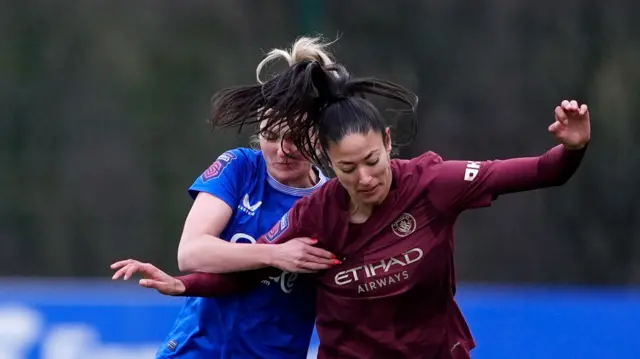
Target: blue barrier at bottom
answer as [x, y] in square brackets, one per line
[101, 320]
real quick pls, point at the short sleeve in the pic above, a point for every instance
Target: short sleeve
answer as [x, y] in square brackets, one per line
[225, 177]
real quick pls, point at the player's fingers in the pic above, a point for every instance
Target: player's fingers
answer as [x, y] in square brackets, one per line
[123, 263]
[131, 270]
[561, 115]
[566, 105]
[309, 258]
[319, 252]
[314, 267]
[583, 109]
[120, 273]
[147, 268]
[307, 240]
[555, 127]
[161, 287]
[574, 105]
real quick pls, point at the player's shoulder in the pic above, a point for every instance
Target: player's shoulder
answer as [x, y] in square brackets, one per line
[424, 161]
[419, 166]
[241, 159]
[241, 154]
[415, 175]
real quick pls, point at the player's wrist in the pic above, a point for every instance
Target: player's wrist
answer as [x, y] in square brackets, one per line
[576, 146]
[179, 287]
[266, 254]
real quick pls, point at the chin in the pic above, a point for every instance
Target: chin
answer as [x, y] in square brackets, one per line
[371, 200]
[288, 176]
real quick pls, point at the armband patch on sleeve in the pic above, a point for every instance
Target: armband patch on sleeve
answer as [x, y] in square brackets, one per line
[279, 228]
[215, 170]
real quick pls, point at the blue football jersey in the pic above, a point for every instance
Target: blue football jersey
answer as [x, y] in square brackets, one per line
[273, 321]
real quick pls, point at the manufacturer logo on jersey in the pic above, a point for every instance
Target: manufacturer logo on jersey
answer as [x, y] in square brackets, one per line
[215, 170]
[471, 171]
[404, 225]
[247, 207]
[279, 228]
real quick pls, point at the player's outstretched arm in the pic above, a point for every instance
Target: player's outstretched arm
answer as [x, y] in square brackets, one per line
[194, 284]
[467, 184]
[152, 277]
[213, 285]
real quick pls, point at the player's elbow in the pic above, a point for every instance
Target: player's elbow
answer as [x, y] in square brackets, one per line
[187, 258]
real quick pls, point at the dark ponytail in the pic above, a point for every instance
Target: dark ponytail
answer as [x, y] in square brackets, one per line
[316, 102]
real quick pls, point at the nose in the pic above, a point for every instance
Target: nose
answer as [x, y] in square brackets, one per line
[286, 147]
[365, 178]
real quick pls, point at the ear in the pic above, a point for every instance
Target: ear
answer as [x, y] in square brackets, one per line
[387, 144]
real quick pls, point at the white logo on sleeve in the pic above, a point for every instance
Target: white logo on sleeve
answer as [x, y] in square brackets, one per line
[247, 207]
[471, 171]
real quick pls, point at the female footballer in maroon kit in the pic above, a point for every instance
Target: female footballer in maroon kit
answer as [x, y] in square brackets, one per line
[390, 222]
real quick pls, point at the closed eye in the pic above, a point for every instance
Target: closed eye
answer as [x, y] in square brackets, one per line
[270, 136]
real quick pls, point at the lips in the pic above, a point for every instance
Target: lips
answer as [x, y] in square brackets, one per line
[368, 190]
[282, 164]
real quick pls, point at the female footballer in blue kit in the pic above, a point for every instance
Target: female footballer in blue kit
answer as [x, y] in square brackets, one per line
[236, 200]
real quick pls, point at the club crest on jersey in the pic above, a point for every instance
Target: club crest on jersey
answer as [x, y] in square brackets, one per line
[215, 170]
[404, 225]
[279, 228]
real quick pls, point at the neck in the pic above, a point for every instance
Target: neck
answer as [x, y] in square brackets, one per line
[359, 212]
[307, 181]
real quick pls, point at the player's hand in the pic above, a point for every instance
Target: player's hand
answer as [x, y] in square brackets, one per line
[300, 256]
[573, 125]
[152, 277]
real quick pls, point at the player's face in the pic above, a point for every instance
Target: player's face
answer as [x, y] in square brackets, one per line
[362, 164]
[284, 162]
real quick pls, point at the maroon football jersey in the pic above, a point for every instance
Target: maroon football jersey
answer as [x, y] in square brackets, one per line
[393, 294]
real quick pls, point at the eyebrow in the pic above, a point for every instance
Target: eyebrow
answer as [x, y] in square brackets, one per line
[364, 159]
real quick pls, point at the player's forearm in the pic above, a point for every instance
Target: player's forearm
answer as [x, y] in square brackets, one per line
[210, 254]
[553, 168]
[211, 285]
[558, 165]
